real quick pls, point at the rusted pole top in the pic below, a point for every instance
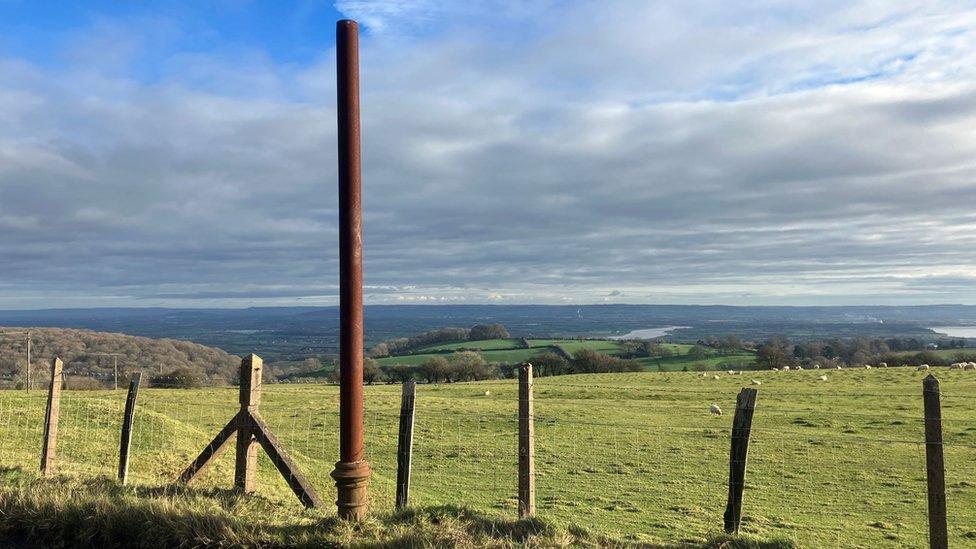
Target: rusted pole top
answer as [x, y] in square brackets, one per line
[352, 472]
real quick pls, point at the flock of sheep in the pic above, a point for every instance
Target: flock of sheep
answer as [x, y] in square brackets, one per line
[714, 408]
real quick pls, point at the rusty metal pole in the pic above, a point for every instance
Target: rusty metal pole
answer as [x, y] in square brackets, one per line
[352, 472]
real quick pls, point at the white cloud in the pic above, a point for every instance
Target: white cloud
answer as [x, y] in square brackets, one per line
[645, 152]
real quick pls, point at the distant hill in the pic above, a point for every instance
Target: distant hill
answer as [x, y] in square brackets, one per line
[90, 354]
[292, 334]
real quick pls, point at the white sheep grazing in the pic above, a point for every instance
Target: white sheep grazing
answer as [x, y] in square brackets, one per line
[786, 368]
[800, 368]
[730, 372]
[923, 367]
[957, 366]
[822, 378]
[775, 369]
[487, 393]
[816, 366]
[715, 377]
[839, 367]
[969, 366]
[715, 410]
[867, 366]
[756, 382]
[882, 365]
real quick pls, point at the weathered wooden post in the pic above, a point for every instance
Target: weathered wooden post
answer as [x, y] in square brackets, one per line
[526, 473]
[125, 442]
[352, 471]
[246, 463]
[935, 464]
[49, 446]
[250, 430]
[405, 443]
[28, 361]
[745, 406]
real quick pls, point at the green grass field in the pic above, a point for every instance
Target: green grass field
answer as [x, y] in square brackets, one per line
[636, 456]
[508, 351]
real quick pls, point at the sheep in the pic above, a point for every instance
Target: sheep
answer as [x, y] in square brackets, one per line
[715, 410]
[822, 378]
[923, 367]
[799, 368]
[839, 367]
[730, 372]
[882, 365]
[969, 366]
[957, 366]
[786, 368]
[775, 369]
[715, 377]
[756, 382]
[816, 366]
[867, 366]
[487, 393]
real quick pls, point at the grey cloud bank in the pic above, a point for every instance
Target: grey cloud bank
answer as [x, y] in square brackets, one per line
[703, 154]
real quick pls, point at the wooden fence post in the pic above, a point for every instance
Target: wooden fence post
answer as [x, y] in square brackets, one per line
[252, 432]
[126, 441]
[245, 467]
[526, 474]
[50, 444]
[745, 406]
[405, 443]
[935, 464]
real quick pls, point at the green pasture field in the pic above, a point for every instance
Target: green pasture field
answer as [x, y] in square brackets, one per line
[501, 350]
[950, 354]
[507, 351]
[835, 463]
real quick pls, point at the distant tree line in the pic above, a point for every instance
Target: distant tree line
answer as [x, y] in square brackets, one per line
[89, 358]
[779, 351]
[471, 366]
[402, 345]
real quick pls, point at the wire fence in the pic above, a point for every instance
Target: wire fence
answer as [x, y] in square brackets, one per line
[637, 456]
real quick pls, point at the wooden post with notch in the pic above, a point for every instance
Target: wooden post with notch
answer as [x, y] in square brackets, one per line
[405, 443]
[251, 431]
[526, 471]
[49, 447]
[745, 406]
[125, 442]
[935, 464]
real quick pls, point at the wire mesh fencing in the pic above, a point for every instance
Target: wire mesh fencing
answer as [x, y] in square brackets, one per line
[837, 462]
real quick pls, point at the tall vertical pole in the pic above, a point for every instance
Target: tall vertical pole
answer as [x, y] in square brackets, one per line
[28, 361]
[115, 366]
[352, 472]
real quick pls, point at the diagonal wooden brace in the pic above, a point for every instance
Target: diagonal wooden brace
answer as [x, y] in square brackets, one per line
[250, 430]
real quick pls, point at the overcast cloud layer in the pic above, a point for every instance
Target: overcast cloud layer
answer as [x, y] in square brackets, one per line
[515, 152]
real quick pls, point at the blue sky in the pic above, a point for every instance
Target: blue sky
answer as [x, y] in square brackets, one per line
[287, 32]
[634, 151]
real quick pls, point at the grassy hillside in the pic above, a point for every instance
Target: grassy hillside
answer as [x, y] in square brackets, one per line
[90, 355]
[638, 457]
